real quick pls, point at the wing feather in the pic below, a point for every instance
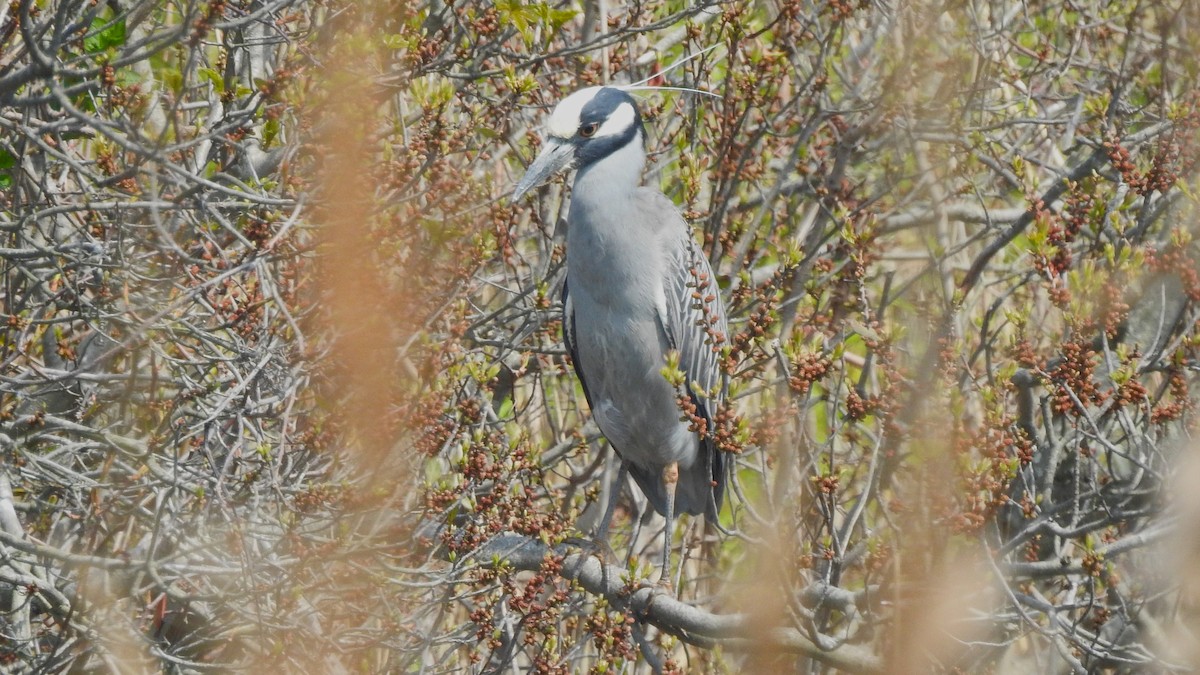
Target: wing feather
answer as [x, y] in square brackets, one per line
[696, 327]
[568, 322]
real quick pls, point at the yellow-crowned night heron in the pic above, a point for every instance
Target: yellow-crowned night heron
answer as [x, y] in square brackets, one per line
[638, 288]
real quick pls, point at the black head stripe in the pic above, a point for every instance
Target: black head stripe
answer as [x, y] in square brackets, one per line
[604, 103]
[596, 111]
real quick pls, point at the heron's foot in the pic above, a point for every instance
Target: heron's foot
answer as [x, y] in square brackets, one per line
[596, 547]
[665, 585]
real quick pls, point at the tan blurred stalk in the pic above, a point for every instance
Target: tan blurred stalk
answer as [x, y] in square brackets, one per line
[365, 322]
[361, 315]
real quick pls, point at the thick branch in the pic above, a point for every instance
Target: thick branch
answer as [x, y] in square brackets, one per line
[651, 605]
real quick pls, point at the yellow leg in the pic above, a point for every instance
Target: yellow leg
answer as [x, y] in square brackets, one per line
[670, 478]
[613, 494]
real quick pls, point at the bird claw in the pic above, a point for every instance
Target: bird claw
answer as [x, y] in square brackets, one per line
[596, 547]
[664, 584]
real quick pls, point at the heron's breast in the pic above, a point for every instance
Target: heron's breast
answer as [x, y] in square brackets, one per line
[633, 403]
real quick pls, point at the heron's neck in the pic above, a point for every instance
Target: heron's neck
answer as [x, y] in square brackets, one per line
[607, 238]
[608, 182]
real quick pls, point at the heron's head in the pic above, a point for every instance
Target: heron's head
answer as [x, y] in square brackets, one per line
[584, 128]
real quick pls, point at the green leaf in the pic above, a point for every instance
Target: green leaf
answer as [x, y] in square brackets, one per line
[271, 129]
[104, 33]
[8, 162]
[212, 76]
[525, 15]
[506, 408]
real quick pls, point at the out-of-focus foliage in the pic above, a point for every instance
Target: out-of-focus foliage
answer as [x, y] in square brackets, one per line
[159, 430]
[283, 364]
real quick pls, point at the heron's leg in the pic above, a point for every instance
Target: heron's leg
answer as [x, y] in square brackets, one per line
[670, 478]
[615, 492]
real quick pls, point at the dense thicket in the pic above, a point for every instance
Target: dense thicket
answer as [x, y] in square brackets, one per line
[282, 376]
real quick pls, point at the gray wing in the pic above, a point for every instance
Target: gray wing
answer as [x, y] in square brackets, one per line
[568, 322]
[695, 326]
[694, 319]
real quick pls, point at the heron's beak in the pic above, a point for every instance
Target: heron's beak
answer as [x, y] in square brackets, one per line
[556, 156]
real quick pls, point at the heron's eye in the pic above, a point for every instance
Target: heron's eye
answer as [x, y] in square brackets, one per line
[588, 130]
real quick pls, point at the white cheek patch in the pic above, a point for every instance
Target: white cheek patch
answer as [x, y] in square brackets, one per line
[618, 122]
[564, 121]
